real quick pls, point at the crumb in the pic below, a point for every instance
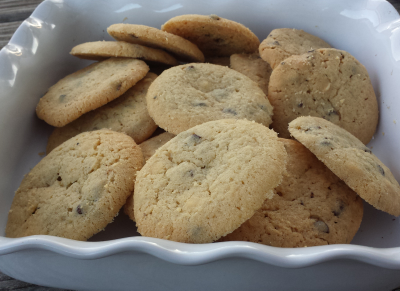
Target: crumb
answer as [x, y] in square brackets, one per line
[126, 18]
[383, 133]
[394, 121]
[41, 154]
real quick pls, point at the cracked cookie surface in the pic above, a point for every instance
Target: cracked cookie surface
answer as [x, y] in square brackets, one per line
[325, 83]
[311, 207]
[148, 36]
[128, 114]
[252, 66]
[350, 160]
[77, 189]
[207, 181]
[191, 94]
[101, 50]
[215, 36]
[88, 89]
[282, 43]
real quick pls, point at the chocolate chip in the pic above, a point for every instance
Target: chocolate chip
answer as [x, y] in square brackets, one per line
[300, 105]
[321, 226]
[77, 143]
[201, 104]
[59, 178]
[218, 40]
[279, 193]
[301, 202]
[367, 150]
[230, 111]
[196, 137]
[312, 195]
[310, 51]
[282, 63]
[339, 208]
[381, 170]
[215, 17]
[61, 98]
[276, 43]
[119, 87]
[155, 97]
[326, 143]
[332, 112]
[190, 68]
[79, 209]
[191, 173]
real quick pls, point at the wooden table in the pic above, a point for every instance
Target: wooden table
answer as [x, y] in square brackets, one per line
[12, 14]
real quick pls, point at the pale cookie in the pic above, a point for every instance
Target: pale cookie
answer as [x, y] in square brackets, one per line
[148, 147]
[77, 189]
[285, 42]
[215, 36]
[181, 48]
[311, 207]
[252, 66]
[127, 114]
[100, 50]
[325, 83]
[350, 160]
[88, 89]
[222, 61]
[207, 181]
[191, 94]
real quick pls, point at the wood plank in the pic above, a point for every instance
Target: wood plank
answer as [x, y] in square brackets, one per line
[17, 10]
[7, 29]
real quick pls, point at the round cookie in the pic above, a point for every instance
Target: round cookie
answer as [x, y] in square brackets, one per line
[215, 36]
[350, 160]
[207, 181]
[127, 114]
[77, 189]
[252, 66]
[88, 89]
[325, 83]
[155, 38]
[188, 95]
[282, 43]
[311, 207]
[100, 50]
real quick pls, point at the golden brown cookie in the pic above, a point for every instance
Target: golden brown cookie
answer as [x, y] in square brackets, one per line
[252, 66]
[101, 50]
[311, 207]
[282, 43]
[88, 89]
[350, 160]
[127, 114]
[325, 83]
[207, 181]
[191, 94]
[155, 38]
[215, 36]
[76, 190]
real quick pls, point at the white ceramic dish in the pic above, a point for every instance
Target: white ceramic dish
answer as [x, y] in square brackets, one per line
[37, 56]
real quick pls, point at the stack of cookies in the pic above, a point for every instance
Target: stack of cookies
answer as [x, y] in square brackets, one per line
[195, 141]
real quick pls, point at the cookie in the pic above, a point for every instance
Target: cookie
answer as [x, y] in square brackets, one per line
[282, 43]
[101, 50]
[77, 189]
[181, 48]
[188, 95]
[252, 66]
[148, 147]
[127, 114]
[350, 160]
[215, 36]
[207, 181]
[88, 89]
[311, 207]
[222, 61]
[325, 83]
